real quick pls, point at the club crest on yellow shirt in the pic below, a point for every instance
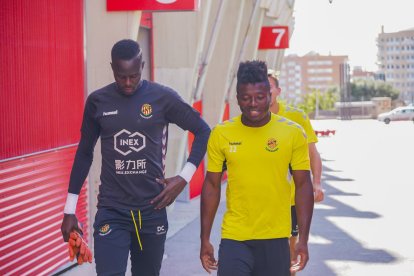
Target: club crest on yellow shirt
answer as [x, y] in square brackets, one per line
[272, 145]
[146, 111]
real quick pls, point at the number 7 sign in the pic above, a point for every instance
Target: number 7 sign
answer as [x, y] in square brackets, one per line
[276, 37]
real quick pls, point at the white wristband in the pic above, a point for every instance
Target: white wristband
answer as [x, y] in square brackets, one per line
[71, 201]
[188, 171]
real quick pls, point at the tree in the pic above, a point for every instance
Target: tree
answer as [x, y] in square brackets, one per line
[367, 89]
[326, 100]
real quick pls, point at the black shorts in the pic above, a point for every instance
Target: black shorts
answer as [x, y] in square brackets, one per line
[295, 226]
[269, 257]
[118, 232]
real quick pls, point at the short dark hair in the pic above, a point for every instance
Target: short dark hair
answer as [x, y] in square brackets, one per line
[125, 49]
[254, 71]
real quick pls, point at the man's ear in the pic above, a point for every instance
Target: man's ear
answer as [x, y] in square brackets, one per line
[142, 64]
[278, 91]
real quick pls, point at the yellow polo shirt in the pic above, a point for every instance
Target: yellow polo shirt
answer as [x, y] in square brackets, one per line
[258, 190]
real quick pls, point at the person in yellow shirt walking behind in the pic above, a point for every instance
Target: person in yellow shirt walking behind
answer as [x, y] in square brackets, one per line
[300, 117]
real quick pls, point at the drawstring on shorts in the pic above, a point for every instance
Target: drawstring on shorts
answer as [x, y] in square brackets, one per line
[136, 227]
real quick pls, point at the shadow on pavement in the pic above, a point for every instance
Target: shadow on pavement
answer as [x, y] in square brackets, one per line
[333, 243]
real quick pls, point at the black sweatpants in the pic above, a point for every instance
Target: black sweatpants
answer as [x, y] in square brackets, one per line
[118, 232]
[269, 257]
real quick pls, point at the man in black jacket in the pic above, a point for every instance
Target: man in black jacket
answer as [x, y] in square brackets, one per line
[131, 117]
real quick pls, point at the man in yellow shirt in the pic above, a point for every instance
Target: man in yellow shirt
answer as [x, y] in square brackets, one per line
[260, 148]
[300, 117]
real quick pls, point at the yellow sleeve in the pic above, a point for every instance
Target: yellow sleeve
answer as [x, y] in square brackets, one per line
[307, 126]
[215, 155]
[300, 155]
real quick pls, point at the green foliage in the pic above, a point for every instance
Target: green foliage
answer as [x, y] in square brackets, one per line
[326, 100]
[367, 89]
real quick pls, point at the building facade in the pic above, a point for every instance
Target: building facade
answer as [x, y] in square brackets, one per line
[360, 74]
[58, 52]
[396, 61]
[302, 74]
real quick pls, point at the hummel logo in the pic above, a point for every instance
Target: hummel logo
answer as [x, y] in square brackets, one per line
[110, 113]
[235, 143]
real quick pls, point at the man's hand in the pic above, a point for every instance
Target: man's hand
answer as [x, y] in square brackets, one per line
[318, 192]
[172, 188]
[207, 257]
[300, 258]
[69, 223]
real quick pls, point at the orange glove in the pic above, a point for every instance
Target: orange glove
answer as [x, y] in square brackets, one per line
[78, 248]
[73, 249]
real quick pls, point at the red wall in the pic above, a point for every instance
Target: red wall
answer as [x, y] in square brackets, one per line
[41, 104]
[41, 76]
[32, 196]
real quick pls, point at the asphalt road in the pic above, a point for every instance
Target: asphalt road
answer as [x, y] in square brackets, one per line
[364, 225]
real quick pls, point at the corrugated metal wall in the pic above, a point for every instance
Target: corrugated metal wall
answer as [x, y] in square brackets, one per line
[41, 76]
[32, 197]
[42, 98]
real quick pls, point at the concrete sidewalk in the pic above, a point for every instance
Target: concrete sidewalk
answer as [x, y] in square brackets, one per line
[182, 249]
[361, 228]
